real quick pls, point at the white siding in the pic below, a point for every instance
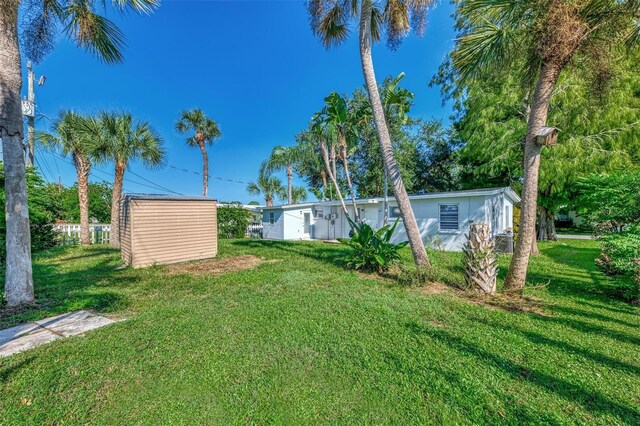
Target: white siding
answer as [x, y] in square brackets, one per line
[273, 231]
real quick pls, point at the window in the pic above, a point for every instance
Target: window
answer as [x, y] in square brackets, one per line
[507, 216]
[319, 213]
[272, 218]
[449, 217]
[394, 212]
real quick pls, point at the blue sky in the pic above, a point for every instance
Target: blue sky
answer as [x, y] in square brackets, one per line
[254, 66]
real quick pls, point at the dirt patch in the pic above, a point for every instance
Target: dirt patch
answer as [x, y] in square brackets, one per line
[511, 303]
[216, 266]
[435, 288]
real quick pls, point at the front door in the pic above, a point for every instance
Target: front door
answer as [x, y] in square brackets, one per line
[307, 225]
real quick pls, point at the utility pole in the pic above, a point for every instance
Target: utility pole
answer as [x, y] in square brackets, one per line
[31, 98]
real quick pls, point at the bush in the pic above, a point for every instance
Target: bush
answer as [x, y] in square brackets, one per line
[621, 254]
[42, 207]
[232, 220]
[372, 250]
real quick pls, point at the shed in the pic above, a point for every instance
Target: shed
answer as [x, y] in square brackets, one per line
[167, 229]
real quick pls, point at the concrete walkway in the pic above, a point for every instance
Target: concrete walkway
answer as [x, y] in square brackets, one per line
[27, 336]
[574, 237]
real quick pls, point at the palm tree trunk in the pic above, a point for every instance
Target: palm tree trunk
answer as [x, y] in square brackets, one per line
[83, 169]
[537, 119]
[205, 169]
[323, 176]
[325, 157]
[268, 201]
[402, 198]
[18, 276]
[289, 184]
[347, 175]
[115, 204]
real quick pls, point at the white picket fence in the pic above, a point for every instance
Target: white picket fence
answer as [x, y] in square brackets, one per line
[69, 233]
[254, 231]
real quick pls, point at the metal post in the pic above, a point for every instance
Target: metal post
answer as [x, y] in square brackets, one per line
[31, 97]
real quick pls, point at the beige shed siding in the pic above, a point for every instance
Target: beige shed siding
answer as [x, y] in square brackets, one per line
[125, 232]
[169, 231]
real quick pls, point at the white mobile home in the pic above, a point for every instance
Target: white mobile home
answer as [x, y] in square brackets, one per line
[443, 218]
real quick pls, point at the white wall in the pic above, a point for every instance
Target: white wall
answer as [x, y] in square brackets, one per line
[294, 223]
[273, 231]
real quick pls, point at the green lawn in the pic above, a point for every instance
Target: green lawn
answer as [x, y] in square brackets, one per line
[300, 340]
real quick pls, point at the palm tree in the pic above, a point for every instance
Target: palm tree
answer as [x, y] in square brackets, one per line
[41, 23]
[122, 140]
[311, 165]
[539, 39]
[283, 157]
[330, 22]
[268, 186]
[71, 138]
[340, 124]
[299, 194]
[321, 134]
[205, 131]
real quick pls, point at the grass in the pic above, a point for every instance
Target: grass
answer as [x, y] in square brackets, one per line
[299, 340]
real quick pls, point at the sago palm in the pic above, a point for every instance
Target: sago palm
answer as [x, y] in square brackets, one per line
[283, 157]
[330, 21]
[122, 140]
[38, 24]
[539, 39]
[269, 187]
[70, 138]
[205, 132]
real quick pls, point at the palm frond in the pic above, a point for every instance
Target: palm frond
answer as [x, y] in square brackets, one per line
[486, 46]
[93, 32]
[141, 6]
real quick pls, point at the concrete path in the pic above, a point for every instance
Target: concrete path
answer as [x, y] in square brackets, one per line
[27, 336]
[574, 237]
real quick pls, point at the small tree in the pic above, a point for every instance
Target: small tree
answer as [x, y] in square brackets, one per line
[480, 263]
[205, 131]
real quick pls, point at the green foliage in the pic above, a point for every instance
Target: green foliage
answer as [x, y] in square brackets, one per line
[609, 202]
[232, 220]
[42, 208]
[621, 255]
[99, 203]
[373, 250]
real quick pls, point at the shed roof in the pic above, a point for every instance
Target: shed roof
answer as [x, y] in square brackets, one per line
[167, 197]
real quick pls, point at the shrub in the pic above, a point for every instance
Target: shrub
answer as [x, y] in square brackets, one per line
[42, 207]
[373, 250]
[621, 254]
[232, 220]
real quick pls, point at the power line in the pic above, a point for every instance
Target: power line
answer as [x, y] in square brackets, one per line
[159, 186]
[211, 177]
[93, 169]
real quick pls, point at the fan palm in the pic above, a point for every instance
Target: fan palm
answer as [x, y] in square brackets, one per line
[330, 21]
[205, 131]
[269, 187]
[40, 23]
[283, 157]
[299, 194]
[539, 39]
[70, 137]
[122, 140]
[311, 165]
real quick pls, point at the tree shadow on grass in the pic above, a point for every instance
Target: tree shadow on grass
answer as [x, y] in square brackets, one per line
[59, 289]
[564, 347]
[6, 373]
[592, 401]
[583, 281]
